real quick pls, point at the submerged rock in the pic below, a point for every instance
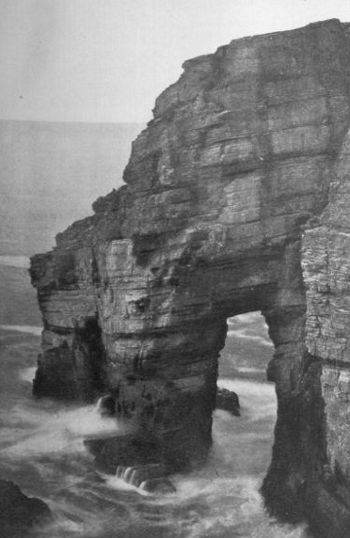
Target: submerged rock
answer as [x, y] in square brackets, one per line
[228, 401]
[128, 450]
[19, 513]
[236, 199]
[158, 485]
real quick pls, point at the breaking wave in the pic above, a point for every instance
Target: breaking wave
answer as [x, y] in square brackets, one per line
[42, 449]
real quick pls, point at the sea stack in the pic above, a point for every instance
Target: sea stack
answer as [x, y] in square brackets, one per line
[236, 199]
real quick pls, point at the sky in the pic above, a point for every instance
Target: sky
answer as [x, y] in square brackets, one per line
[107, 60]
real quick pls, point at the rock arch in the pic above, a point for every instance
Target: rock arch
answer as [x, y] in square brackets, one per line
[235, 200]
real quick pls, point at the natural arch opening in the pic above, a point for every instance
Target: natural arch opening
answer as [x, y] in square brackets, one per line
[248, 348]
[242, 369]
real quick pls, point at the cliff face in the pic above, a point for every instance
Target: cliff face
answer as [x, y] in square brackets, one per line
[235, 200]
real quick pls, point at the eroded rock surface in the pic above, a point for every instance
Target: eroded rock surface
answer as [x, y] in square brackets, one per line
[228, 401]
[236, 199]
[19, 514]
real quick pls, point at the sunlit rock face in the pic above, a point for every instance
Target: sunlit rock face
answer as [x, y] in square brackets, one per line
[236, 199]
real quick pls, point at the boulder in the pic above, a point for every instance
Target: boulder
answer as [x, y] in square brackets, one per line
[228, 401]
[19, 513]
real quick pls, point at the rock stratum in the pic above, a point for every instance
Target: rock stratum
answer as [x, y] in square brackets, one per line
[236, 200]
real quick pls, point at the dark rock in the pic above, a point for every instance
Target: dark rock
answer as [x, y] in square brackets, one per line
[158, 485]
[124, 450]
[19, 513]
[228, 401]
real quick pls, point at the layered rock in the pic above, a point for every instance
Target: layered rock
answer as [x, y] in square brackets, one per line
[326, 273]
[235, 200]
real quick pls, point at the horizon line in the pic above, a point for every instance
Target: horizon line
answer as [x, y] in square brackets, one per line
[97, 122]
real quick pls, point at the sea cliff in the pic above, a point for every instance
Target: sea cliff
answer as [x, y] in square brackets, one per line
[236, 199]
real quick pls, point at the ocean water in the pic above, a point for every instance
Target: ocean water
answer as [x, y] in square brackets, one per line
[42, 449]
[51, 172]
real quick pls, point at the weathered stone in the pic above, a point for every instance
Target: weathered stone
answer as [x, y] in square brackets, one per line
[228, 401]
[158, 485]
[19, 513]
[236, 199]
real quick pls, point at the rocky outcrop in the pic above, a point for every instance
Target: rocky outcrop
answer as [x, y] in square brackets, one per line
[235, 200]
[20, 514]
[228, 401]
